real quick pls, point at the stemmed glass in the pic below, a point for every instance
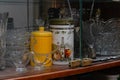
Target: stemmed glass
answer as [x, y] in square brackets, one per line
[18, 45]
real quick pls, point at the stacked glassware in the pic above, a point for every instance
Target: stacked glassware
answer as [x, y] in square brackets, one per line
[3, 28]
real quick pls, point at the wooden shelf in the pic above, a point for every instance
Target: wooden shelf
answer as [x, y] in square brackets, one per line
[56, 71]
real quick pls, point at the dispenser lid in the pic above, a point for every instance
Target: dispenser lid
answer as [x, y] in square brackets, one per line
[42, 32]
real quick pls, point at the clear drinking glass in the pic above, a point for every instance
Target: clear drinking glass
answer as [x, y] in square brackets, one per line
[40, 60]
[18, 47]
[19, 57]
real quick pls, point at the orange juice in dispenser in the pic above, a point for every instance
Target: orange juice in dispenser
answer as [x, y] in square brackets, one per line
[41, 43]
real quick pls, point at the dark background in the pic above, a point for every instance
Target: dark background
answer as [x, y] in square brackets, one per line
[108, 9]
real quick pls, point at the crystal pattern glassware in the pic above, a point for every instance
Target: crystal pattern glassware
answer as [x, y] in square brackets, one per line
[3, 28]
[104, 35]
[18, 47]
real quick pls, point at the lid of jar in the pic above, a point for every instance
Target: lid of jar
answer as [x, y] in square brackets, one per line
[62, 26]
[61, 21]
[41, 32]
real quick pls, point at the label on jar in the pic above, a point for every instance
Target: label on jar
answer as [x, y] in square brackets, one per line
[63, 41]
